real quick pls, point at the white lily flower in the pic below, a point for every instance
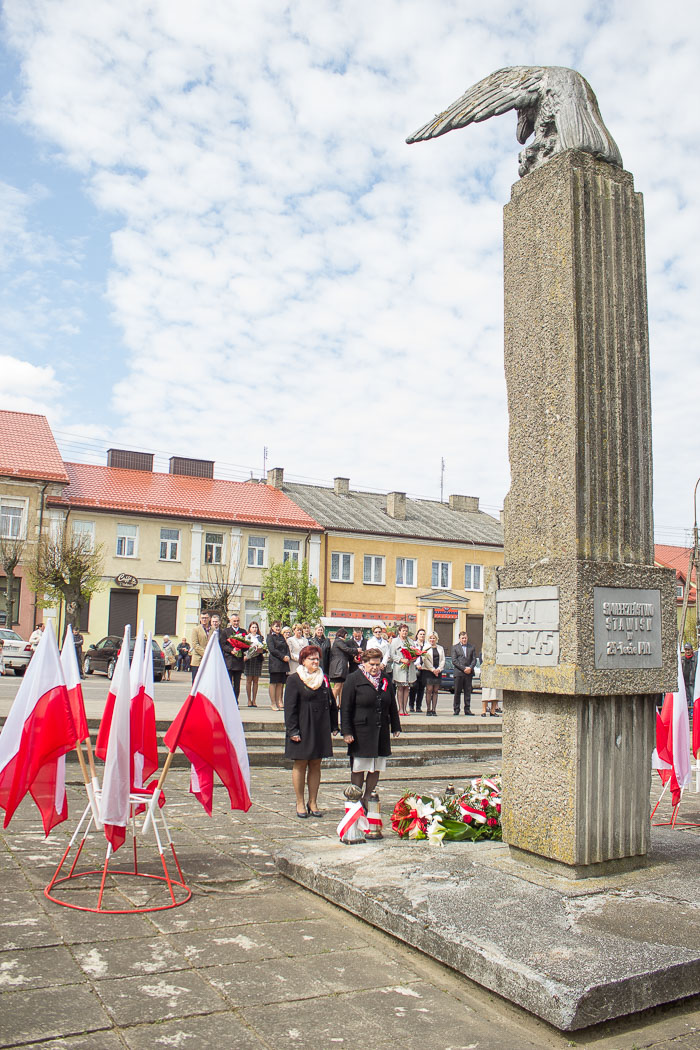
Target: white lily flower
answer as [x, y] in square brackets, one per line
[435, 832]
[424, 809]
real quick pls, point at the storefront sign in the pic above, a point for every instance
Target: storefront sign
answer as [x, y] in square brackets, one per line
[444, 612]
[125, 579]
[354, 614]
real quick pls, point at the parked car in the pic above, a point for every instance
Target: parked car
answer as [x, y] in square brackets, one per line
[17, 653]
[102, 656]
[447, 682]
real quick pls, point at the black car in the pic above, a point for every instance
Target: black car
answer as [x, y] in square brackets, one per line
[447, 682]
[102, 656]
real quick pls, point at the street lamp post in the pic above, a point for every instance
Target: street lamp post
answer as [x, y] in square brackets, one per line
[692, 562]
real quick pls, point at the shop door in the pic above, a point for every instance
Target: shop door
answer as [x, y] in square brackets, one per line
[123, 610]
[445, 630]
[475, 630]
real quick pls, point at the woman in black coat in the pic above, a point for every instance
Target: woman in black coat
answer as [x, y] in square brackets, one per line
[324, 644]
[310, 717]
[369, 716]
[341, 652]
[278, 664]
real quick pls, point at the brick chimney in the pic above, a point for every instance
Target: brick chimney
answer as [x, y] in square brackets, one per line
[341, 486]
[275, 477]
[396, 505]
[468, 504]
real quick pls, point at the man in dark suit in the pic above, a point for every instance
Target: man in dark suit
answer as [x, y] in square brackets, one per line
[464, 660]
[356, 645]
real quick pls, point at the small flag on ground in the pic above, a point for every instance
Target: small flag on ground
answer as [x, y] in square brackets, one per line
[209, 730]
[116, 781]
[38, 733]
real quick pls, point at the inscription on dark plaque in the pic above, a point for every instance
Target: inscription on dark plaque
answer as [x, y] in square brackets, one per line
[627, 627]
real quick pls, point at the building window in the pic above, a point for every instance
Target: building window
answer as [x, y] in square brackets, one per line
[127, 542]
[84, 534]
[406, 572]
[441, 574]
[373, 569]
[256, 551]
[166, 614]
[12, 519]
[169, 544]
[213, 548]
[291, 552]
[341, 567]
[473, 578]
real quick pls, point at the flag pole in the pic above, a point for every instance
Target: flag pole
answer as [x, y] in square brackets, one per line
[156, 794]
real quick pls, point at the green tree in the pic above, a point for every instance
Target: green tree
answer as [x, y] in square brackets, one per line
[288, 595]
[67, 569]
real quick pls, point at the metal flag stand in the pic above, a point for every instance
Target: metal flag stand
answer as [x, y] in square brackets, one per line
[85, 824]
[673, 822]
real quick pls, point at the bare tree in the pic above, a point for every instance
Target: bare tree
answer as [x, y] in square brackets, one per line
[11, 551]
[67, 569]
[222, 591]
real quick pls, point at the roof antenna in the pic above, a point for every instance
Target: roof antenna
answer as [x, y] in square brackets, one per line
[442, 477]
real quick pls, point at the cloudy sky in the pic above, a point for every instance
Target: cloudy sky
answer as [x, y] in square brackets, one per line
[213, 238]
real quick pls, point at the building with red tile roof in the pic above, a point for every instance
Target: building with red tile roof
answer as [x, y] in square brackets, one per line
[28, 449]
[160, 494]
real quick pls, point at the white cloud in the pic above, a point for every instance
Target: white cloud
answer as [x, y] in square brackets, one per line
[27, 387]
[287, 272]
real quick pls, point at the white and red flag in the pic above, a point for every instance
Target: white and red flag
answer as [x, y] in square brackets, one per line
[208, 728]
[671, 756]
[144, 743]
[696, 720]
[40, 730]
[71, 674]
[116, 780]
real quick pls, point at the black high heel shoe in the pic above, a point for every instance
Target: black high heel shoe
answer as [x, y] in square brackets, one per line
[312, 812]
[302, 816]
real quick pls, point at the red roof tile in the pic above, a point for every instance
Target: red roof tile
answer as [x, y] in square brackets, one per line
[174, 495]
[676, 558]
[28, 449]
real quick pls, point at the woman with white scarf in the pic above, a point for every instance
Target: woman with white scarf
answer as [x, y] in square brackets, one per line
[310, 718]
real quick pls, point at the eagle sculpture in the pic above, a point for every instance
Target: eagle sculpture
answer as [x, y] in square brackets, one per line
[554, 102]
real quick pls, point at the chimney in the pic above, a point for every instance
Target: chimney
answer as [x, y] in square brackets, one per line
[396, 505]
[275, 477]
[341, 486]
[466, 504]
[192, 468]
[118, 457]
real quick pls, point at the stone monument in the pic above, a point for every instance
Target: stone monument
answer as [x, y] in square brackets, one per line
[580, 623]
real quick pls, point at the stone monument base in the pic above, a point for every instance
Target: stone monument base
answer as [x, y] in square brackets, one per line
[573, 953]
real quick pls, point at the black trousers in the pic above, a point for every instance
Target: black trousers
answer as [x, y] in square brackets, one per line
[463, 682]
[235, 677]
[415, 696]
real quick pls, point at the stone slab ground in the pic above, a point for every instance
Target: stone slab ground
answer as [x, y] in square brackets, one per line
[254, 961]
[574, 953]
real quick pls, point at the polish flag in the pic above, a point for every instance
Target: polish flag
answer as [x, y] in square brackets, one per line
[39, 732]
[144, 743]
[116, 781]
[71, 673]
[696, 720]
[209, 730]
[671, 756]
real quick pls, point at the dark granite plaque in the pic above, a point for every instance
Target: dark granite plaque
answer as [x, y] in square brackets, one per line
[627, 627]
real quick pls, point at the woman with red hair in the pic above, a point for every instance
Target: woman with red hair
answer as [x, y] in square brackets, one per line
[310, 718]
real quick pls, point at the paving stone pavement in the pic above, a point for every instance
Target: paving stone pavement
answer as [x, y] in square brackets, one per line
[252, 961]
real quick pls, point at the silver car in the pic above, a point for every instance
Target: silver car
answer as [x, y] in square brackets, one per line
[16, 652]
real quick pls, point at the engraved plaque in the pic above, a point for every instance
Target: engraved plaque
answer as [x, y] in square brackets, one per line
[627, 627]
[527, 626]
